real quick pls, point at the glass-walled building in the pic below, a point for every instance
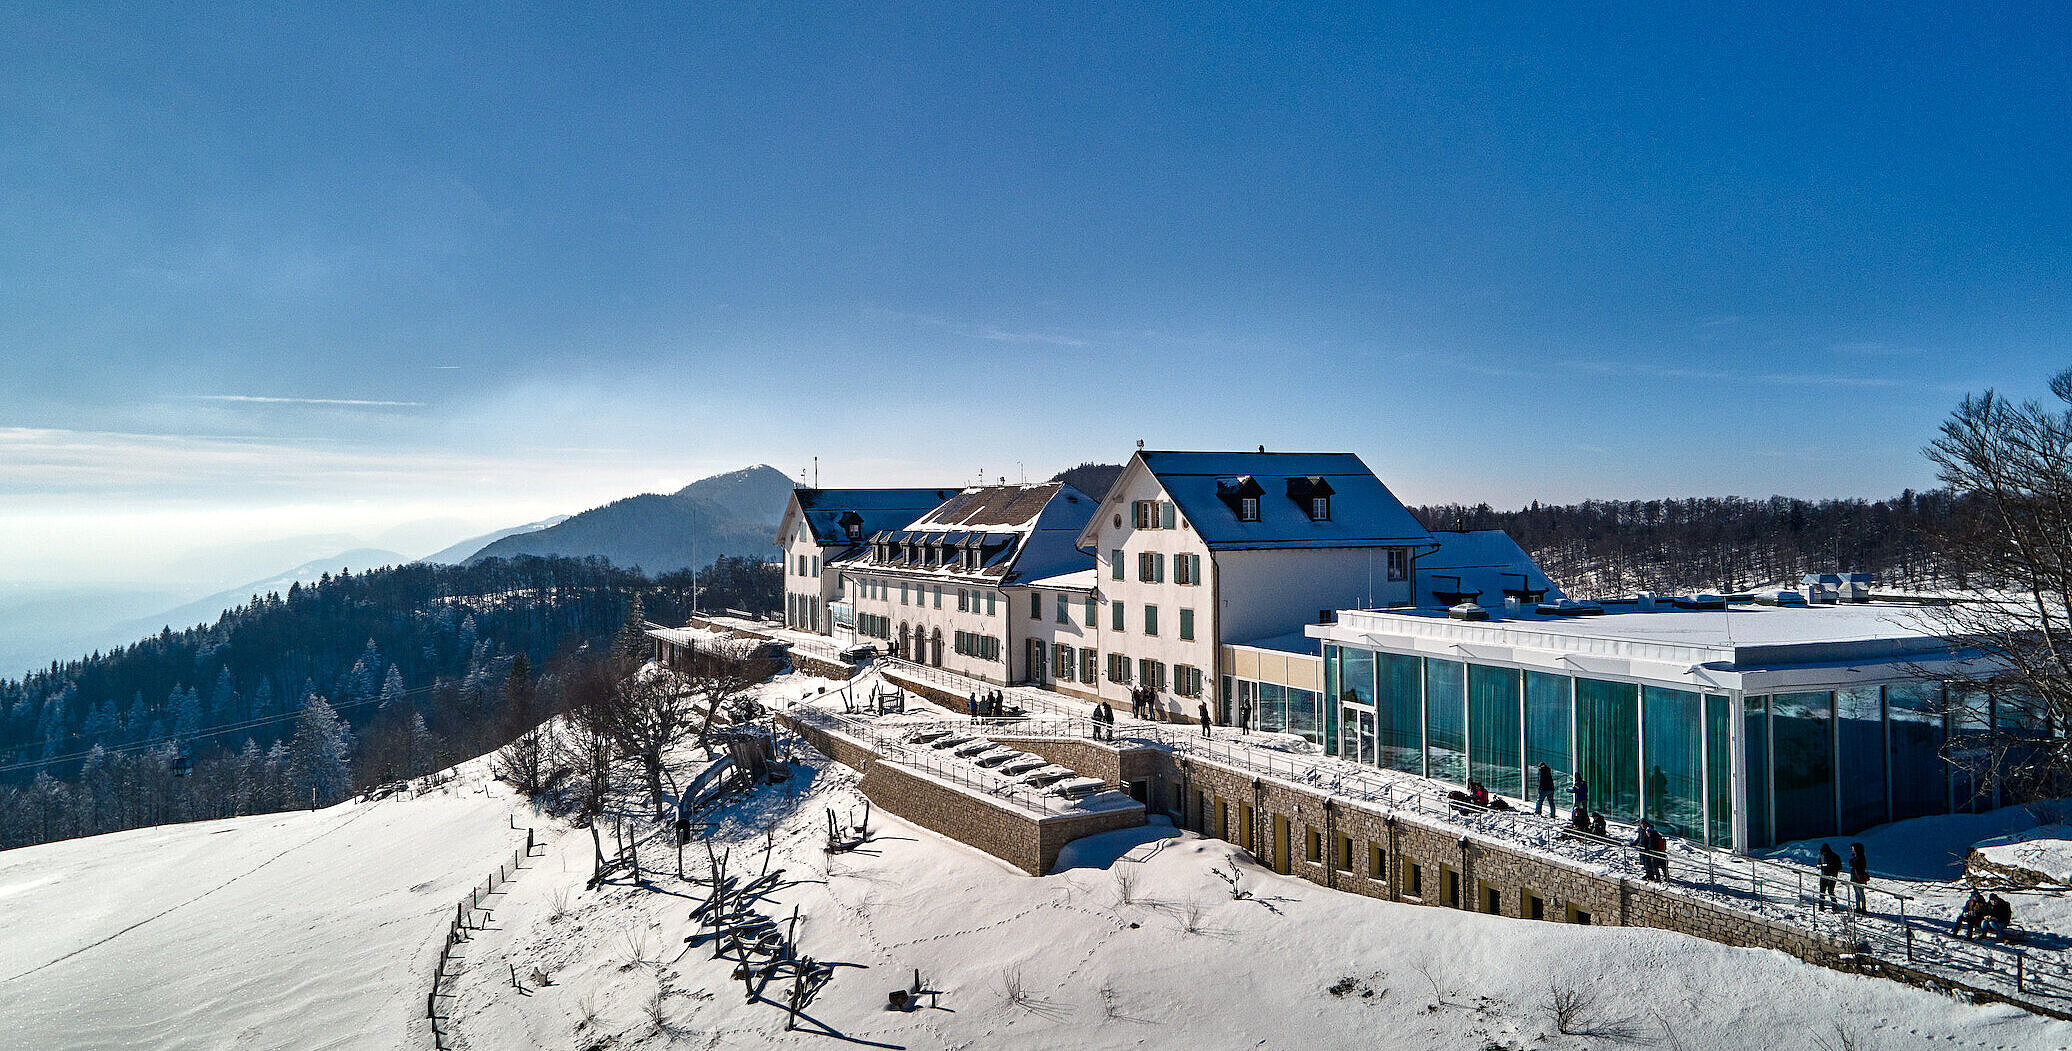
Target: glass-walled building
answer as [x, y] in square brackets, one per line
[1741, 727]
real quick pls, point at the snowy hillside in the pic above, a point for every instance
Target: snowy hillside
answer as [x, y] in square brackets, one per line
[299, 930]
[320, 930]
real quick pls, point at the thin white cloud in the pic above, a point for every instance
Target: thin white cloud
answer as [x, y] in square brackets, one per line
[254, 399]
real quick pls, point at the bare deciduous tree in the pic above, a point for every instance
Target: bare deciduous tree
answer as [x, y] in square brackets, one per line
[2010, 466]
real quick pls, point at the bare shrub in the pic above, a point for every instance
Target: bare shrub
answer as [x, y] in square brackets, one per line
[1575, 1010]
[656, 1006]
[1191, 918]
[588, 1008]
[1571, 1008]
[640, 949]
[1845, 1038]
[1126, 885]
[557, 906]
[1017, 993]
[1235, 878]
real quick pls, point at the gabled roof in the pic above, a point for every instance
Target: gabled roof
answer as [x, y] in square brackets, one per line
[1206, 486]
[824, 510]
[1027, 531]
[1484, 561]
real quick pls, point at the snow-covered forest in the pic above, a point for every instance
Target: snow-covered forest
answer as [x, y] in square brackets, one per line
[358, 680]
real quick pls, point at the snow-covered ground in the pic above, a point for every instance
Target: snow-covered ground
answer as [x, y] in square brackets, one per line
[1134, 942]
[311, 929]
[320, 929]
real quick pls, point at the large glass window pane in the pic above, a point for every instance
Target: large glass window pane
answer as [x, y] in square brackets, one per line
[1402, 712]
[1446, 720]
[1330, 741]
[1673, 753]
[1719, 774]
[1920, 778]
[1332, 660]
[2019, 719]
[1802, 755]
[1547, 715]
[1860, 756]
[1301, 713]
[1494, 729]
[1273, 707]
[1608, 745]
[1356, 676]
[1756, 764]
[1971, 718]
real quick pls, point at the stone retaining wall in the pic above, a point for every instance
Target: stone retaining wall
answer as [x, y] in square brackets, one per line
[1356, 847]
[1026, 840]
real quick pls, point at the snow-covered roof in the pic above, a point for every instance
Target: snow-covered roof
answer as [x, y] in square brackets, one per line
[1484, 562]
[1713, 648]
[1363, 511]
[824, 510]
[1022, 532]
[1077, 580]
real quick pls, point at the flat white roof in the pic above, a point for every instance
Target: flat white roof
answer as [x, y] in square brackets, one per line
[1745, 645]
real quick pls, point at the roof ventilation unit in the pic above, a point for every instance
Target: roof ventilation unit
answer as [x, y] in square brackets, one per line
[1467, 611]
[1783, 597]
[1568, 607]
[1701, 600]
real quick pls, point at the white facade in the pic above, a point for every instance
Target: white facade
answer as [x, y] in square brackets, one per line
[823, 526]
[953, 589]
[1197, 550]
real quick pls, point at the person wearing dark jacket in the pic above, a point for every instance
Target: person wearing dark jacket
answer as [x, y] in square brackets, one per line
[1581, 790]
[1654, 851]
[1830, 867]
[1204, 719]
[1859, 873]
[1999, 916]
[1974, 913]
[1546, 798]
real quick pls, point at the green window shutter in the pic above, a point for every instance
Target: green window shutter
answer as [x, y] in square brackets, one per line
[1115, 565]
[1115, 615]
[1187, 624]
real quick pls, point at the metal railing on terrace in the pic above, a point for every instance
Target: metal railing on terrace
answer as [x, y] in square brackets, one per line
[892, 746]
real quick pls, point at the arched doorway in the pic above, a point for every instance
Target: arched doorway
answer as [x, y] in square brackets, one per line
[902, 650]
[935, 648]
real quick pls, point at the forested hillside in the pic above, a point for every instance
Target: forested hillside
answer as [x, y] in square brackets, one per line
[1611, 548]
[354, 681]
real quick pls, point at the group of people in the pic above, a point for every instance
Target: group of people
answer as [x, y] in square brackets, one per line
[1143, 702]
[1477, 795]
[1104, 722]
[1991, 914]
[1831, 871]
[987, 706]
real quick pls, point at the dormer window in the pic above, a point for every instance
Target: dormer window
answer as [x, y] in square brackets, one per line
[1241, 494]
[852, 526]
[1312, 493]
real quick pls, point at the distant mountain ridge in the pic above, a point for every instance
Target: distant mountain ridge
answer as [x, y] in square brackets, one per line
[459, 553]
[729, 514]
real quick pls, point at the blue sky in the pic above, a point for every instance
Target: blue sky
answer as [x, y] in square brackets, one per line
[273, 271]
